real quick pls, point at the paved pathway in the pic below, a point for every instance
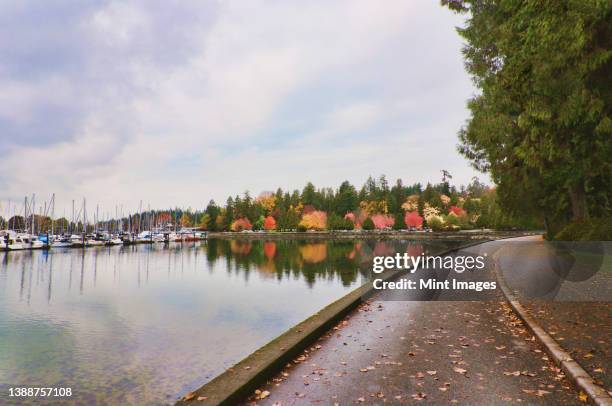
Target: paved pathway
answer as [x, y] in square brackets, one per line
[425, 352]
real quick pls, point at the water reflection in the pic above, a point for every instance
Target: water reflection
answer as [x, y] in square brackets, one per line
[143, 324]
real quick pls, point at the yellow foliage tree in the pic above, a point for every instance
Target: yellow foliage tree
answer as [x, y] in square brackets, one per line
[267, 200]
[204, 222]
[316, 220]
[374, 207]
[186, 220]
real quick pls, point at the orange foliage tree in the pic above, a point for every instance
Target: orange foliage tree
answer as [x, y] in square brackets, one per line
[269, 223]
[315, 220]
[241, 224]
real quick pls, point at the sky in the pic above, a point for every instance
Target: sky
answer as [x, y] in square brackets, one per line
[174, 102]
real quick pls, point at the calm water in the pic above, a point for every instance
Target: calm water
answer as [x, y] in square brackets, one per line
[145, 324]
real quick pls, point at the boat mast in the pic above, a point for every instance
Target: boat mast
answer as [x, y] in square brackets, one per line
[33, 211]
[72, 222]
[139, 216]
[52, 213]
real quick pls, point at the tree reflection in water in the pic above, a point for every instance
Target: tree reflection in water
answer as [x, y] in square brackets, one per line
[311, 259]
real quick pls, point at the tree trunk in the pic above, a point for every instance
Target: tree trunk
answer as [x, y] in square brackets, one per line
[579, 204]
[547, 227]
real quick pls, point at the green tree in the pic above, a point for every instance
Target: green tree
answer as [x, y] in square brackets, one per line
[368, 224]
[308, 194]
[346, 199]
[541, 122]
[399, 223]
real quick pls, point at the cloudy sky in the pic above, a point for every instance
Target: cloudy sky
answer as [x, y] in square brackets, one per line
[175, 102]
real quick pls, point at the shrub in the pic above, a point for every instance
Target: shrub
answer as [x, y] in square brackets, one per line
[382, 221]
[413, 219]
[436, 223]
[458, 211]
[368, 224]
[269, 223]
[601, 230]
[335, 222]
[596, 229]
[315, 220]
[348, 224]
[241, 224]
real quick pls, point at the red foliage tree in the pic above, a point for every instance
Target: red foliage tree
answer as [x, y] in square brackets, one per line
[382, 221]
[412, 219]
[458, 211]
[269, 223]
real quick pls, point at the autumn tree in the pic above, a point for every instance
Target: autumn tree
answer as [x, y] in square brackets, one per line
[204, 221]
[413, 220]
[269, 223]
[241, 224]
[316, 220]
[186, 220]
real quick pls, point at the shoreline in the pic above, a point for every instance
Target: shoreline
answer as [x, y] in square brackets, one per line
[363, 235]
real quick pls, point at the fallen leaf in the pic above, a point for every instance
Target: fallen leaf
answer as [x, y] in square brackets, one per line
[460, 370]
[583, 396]
[189, 396]
[201, 398]
[513, 373]
[264, 394]
[432, 373]
[419, 396]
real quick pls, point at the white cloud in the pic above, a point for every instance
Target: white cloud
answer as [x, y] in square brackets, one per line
[263, 94]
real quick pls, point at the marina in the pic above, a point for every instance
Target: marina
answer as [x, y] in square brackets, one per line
[23, 229]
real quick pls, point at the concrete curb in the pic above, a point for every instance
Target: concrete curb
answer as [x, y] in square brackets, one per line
[241, 380]
[574, 371]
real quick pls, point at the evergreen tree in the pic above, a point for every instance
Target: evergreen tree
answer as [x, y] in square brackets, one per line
[346, 199]
[541, 122]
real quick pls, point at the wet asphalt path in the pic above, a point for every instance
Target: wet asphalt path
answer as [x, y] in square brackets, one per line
[424, 352]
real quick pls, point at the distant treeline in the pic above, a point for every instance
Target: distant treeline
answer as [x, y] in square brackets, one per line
[376, 205]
